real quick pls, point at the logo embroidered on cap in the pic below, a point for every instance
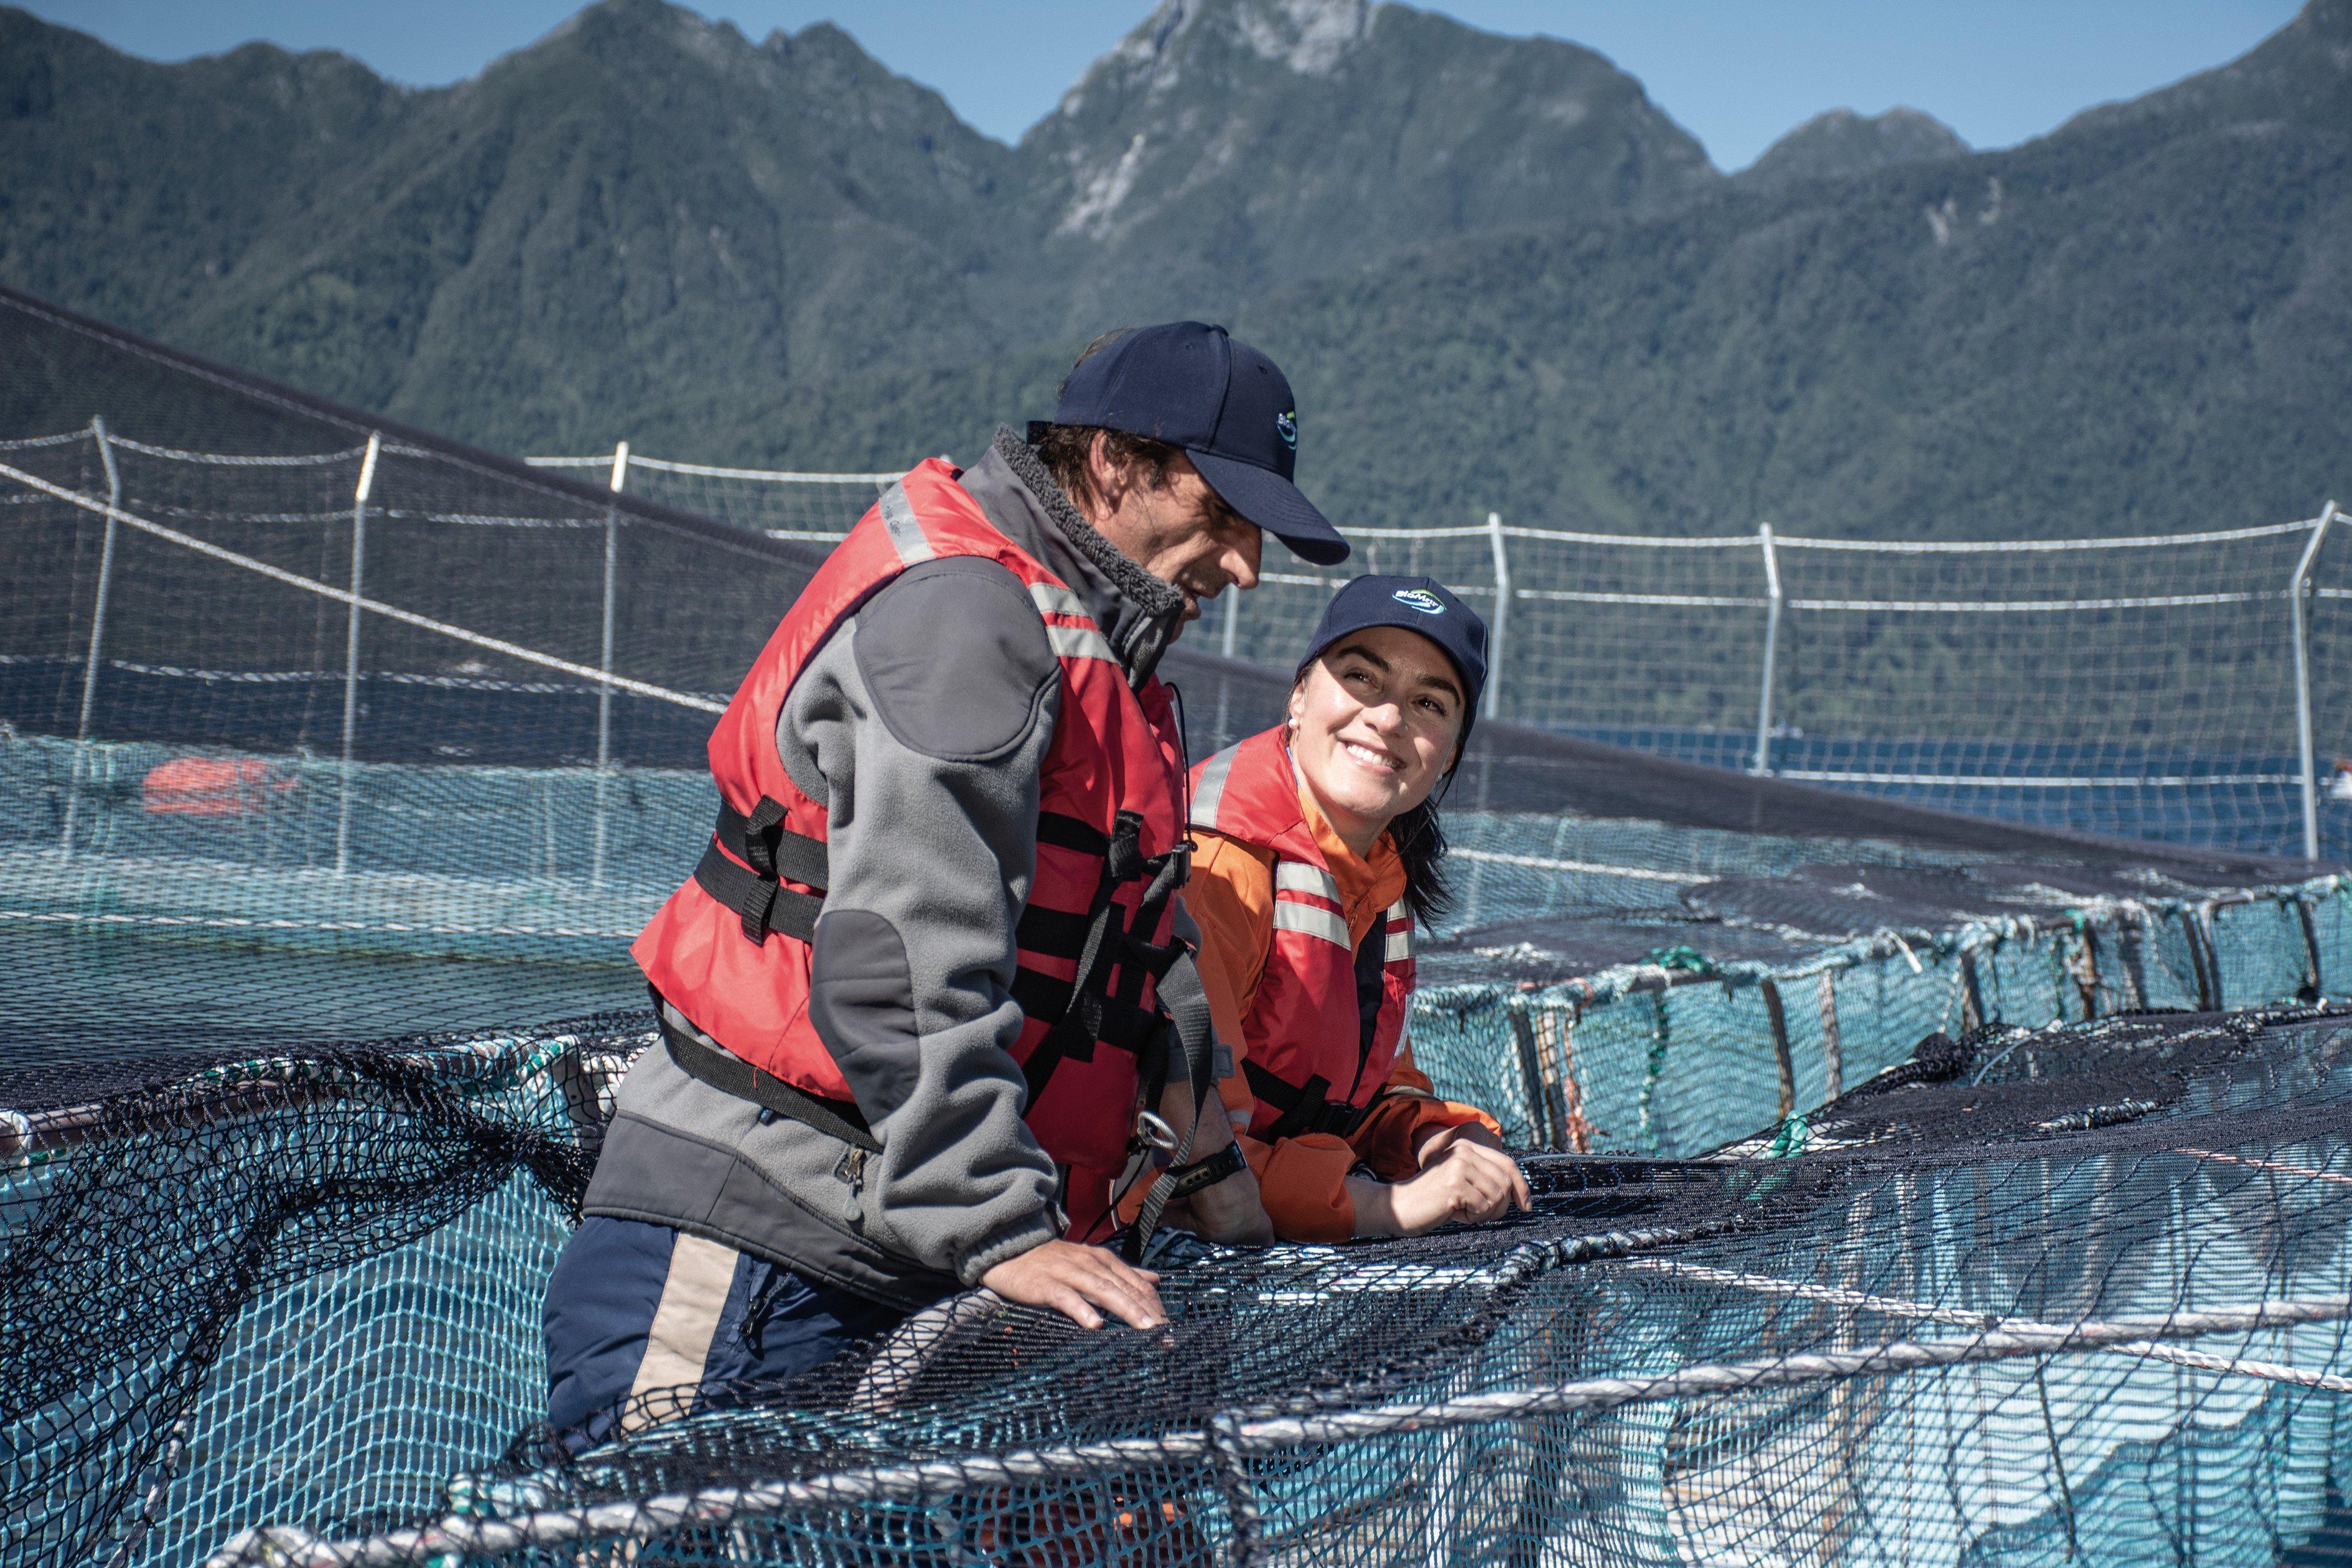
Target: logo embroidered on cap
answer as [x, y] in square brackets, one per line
[1285, 424]
[1421, 599]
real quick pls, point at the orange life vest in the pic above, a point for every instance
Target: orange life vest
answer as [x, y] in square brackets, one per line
[1322, 1032]
[731, 948]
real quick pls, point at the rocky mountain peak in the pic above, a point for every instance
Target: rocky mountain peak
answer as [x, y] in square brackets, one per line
[1183, 38]
[1842, 143]
[1228, 144]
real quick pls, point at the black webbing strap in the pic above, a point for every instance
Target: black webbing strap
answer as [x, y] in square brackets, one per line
[730, 1074]
[1104, 941]
[769, 853]
[1304, 1108]
[1203, 1174]
[1069, 833]
[1188, 1008]
[1131, 1028]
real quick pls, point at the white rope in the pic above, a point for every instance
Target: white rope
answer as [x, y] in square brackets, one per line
[2317, 1175]
[236, 460]
[2021, 606]
[2004, 547]
[2031, 781]
[644, 1518]
[1691, 601]
[291, 677]
[234, 923]
[373, 606]
[65, 437]
[1638, 873]
[1635, 541]
[1897, 1307]
[710, 471]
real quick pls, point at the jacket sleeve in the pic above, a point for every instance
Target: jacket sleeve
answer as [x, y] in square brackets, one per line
[922, 725]
[1389, 1139]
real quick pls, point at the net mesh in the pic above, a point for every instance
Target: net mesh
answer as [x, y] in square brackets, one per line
[336, 760]
[2163, 666]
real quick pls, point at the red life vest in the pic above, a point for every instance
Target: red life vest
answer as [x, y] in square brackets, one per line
[731, 948]
[1323, 1031]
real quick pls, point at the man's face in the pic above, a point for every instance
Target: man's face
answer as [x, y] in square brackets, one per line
[1180, 532]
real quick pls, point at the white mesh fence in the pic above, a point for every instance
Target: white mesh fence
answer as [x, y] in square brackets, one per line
[2147, 687]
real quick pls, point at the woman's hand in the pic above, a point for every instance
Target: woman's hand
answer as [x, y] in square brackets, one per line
[1464, 1179]
[1433, 1140]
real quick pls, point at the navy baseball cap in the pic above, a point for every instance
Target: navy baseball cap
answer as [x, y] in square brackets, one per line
[1421, 604]
[1227, 405]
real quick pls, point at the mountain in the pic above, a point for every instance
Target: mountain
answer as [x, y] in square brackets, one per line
[2142, 322]
[641, 203]
[645, 215]
[1841, 143]
[1227, 145]
[1499, 276]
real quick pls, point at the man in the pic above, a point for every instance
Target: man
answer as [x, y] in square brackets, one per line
[931, 968]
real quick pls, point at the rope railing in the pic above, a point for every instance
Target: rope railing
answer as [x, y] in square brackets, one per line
[360, 602]
[1542, 660]
[641, 1519]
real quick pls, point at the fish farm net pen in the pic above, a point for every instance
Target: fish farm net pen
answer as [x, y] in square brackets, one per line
[1911, 1186]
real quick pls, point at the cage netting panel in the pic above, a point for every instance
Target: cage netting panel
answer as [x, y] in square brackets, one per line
[2029, 1296]
[339, 766]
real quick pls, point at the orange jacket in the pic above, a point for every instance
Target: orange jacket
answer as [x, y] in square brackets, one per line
[1231, 897]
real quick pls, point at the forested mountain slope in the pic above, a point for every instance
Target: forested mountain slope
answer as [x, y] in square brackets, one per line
[1500, 277]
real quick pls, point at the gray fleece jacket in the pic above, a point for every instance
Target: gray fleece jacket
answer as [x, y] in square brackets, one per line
[921, 725]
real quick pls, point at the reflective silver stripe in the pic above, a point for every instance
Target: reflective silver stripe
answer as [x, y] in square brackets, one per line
[1292, 877]
[1052, 599]
[1312, 920]
[1080, 642]
[1212, 788]
[677, 1340]
[1069, 642]
[905, 533]
[1398, 920]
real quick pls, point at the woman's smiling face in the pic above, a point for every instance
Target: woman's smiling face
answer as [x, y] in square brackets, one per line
[1374, 723]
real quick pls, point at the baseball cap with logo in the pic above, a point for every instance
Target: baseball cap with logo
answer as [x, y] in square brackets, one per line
[1227, 405]
[1421, 604]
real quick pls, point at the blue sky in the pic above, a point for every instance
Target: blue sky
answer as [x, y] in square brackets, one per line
[1736, 73]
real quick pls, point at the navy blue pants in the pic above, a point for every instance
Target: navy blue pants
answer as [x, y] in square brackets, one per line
[643, 1322]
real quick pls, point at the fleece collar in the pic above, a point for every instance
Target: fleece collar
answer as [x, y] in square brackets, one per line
[1139, 614]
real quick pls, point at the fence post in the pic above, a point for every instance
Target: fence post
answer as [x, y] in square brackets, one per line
[605, 691]
[1232, 628]
[351, 648]
[1496, 639]
[1763, 763]
[2295, 590]
[97, 629]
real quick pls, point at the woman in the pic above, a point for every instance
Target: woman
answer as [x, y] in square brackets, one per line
[1318, 846]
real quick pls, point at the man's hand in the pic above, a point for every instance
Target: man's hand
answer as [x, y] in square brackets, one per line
[1074, 1280]
[1465, 1180]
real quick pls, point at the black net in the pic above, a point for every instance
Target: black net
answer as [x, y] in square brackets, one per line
[336, 760]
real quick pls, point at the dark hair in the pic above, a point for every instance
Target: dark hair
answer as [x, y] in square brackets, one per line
[1064, 448]
[1421, 843]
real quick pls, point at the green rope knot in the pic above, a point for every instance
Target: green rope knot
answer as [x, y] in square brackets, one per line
[1681, 956]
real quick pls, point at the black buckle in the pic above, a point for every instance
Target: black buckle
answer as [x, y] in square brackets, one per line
[1201, 1175]
[769, 853]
